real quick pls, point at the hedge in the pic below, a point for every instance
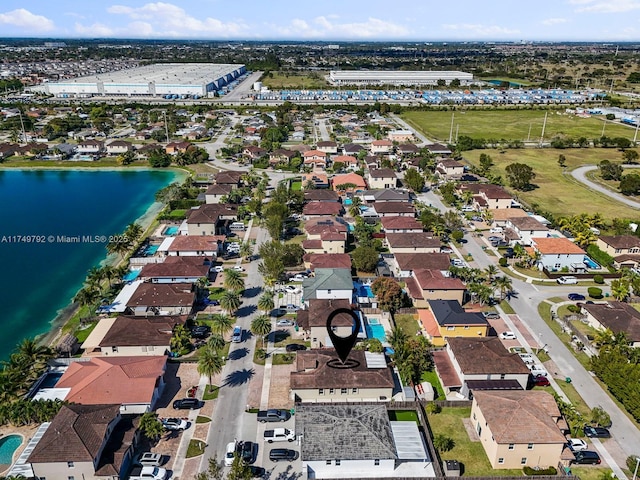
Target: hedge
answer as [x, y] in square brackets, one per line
[540, 471]
[595, 292]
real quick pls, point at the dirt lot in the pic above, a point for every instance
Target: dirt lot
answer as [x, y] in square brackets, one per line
[279, 390]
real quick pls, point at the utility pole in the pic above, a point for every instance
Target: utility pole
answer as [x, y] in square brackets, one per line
[529, 134]
[166, 127]
[453, 114]
[24, 134]
[544, 126]
[457, 129]
[635, 135]
[603, 127]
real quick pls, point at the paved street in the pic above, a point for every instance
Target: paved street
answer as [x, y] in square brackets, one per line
[580, 174]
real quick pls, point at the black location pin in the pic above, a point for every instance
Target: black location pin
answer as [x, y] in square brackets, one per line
[343, 345]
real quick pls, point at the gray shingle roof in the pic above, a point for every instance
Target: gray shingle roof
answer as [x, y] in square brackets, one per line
[449, 312]
[345, 432]
[327, 279]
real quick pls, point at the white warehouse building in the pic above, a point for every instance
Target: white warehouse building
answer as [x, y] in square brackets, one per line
[396, 77]
[182, 79]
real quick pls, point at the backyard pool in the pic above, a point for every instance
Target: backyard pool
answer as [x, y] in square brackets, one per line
[8, 446]
[348, 201]
[591, 264]
[50, 380]
[375, 331]
[171, 230]
[131, 275]
[150, 250]
[363, 290]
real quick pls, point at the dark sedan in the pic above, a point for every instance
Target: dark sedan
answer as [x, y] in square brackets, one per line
[294, 347]
[596, 432]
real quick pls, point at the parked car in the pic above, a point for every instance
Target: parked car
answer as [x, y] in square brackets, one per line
[294, 347]
[527, 358]
[279, 435]
[149, 459]
[577, 444]
[218, 269]
[148, 473]
[587, 457]
[239, 268]
[257, 472]
[290, 307]
[201, 331]
[575, 297]
[229, 256]
[299, 277]
[540, 381]
[230, 454]
[174, 424]
[187, 404]
[491, 315]
[493, 238]
[273, 415]
[246, 451]
[284, 323]
[291, 289]
[537, 370]
[596, 432]
[236, 336]
[277, 454]
[508, 336]
[446, 250]
[495, 230]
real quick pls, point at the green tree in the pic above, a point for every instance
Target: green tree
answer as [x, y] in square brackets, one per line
[619, 289]
[266, 303]
[610, 170]
[600, 417]
[181, 340]
[214, 471]
[365, 259]
[442, 443]
[415, 358]
[486, 162]
[239, 470]
[630, 184]
[209, 363]
[230, 301]
[133, 232]
[158, 158]
[150, 426]
[414, 179]
[562, 160]
[505, 285]
[261, 326]
[246, 250]
[87, 296]
[217, 342]
[388, 293]
[520, 175]
[233, 280]
[221, 324]
[630, 156]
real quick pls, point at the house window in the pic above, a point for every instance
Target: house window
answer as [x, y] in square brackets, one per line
[451, 328]
[321, 391]
[503, 376]
[114, 349]
[343, 391]
[511, 446]
[523, 461]
[71, 477]
[474, 415]
[328, 462]
[466, 327]
[328, 291]
[337, 463]
[530, 446]
[501, 460]
[70, 464]
[354, 390]
[331, 391]
[376, 462]
[479, 429]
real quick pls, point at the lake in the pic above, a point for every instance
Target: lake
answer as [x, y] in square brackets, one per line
[40, 211]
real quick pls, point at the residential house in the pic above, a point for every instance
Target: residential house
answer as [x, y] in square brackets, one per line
[318, 180]
[400, 225]
[518, 428]
[298, 136]
[407, 149]
[400, 136]
[338, 181]
[404, 264]
[208, 219]
[315, 380]
[316, 195]
[326, 260]
[468, 365]
[352, 149]
[253, 152]
[313, 321]
[486, 196]
[208, 246]
[315, 159]
[132, 336]
[451, 320]
[7, 150]
[394, 209]
[230, 177]
[499, 217]
[349, 162]
[450, 169]
[328, 147]
[161, 299]
[329, 242]
[424, 285]
[92, 147]
[422, 242]
[372, 161]
[382, 178]
[558, 253]
[118, 147]
[619, 317]
[381, 448]
[524, 229]
[135, 383]
[195, 133]
[438, 149]
[173, 148]
[282, 156]
[175, 269]
[99, 444]
[321, 209]
[619, 245]
[328, 283]
[215, 193]
[381, 147]
[386, 195]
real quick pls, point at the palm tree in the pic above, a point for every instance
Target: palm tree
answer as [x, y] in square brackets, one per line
[266, 303]
[619, 289]
[261, 326]
[133, 232]
[397, 338]
[246, 250]
[216, 341]
[118, 246]
[94, 277]
[150, 426]
[109, 272]
[230, 301]
[233, 280]
[491, 272]
[36, 355]
[209, 363]
[87, 296]
[505, 285]
[221, 323]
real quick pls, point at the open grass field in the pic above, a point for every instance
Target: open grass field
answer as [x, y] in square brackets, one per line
[281, 80]
[511, 125]
[557, 192]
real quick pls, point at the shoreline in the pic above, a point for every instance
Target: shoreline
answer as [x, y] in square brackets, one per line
[63, 315]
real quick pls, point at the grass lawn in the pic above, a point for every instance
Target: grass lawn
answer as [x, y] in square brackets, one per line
[258, 360]
[296, 185]
[283, 358]
[408, 323]
[557, 191]
[403, 416]
[433, 379]
[285, 80]
[590, 473]
[82, 333]
[211, 392]
[511, 125]
[470, 454]
[196, 448]
[504, 305]
[202, 419]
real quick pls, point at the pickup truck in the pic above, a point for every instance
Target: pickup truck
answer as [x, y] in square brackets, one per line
[148, 473]
[273, 415]
[279, 435]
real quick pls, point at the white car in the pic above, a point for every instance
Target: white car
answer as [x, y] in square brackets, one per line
[508, 336]
[527, 358]
[292, 289]
[218, 269]
[239, 268]
[577, 444]
[496, 230]
[230, 454]
[537, 370]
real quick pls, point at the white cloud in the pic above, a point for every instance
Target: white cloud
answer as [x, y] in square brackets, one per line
[481, 30]
[609, 6]
[328, 27]
[27, 20]
[166, 19]
[94, 30]
[554, 21]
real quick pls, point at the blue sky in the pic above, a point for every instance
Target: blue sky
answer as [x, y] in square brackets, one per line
[372, 20]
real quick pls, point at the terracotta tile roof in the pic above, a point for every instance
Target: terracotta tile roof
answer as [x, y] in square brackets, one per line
[129, 331]
[162, 295]
[502, 214]
[618, 317]
[410, 240]
[485, 355]
[382, 143]
[520, 417]
[216, 189]
[552, 246]
[434, 280]
[316, 314]
[312, 372]
[450, 163]
[196, 243]
[120, 440]
[328, 260]
[312, 244]
[489, 190]
[174, 267]
[427, 261]
[328, 236]
[315, 177]
[446, 370]
[400, 223]
[527, 223]
[322, 208]
[113, 380]
[394, 207]
[315, 226]
[314, 153]
[382, 173]
[408, 148]
[327, 143]
[83, 428]
[321, 195]
[354, 178]
[620, 241]
[428, 322]
[346, 159]
[229, 177]
[415, 292]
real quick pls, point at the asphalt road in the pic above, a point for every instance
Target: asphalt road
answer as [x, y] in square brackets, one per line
[580, 174]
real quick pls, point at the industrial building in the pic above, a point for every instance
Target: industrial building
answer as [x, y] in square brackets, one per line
[396, 77]
[169, 80]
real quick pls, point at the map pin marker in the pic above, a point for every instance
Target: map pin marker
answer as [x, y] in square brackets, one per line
[343, 345]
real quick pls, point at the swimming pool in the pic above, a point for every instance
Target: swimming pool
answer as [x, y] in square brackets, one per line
[348, 201]
[373, 321]
[376, 331]
[131, 275]
[363, 290]
[8, 446]
[150, 250]
[171, 230]
[50, 380]
[590, 263]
